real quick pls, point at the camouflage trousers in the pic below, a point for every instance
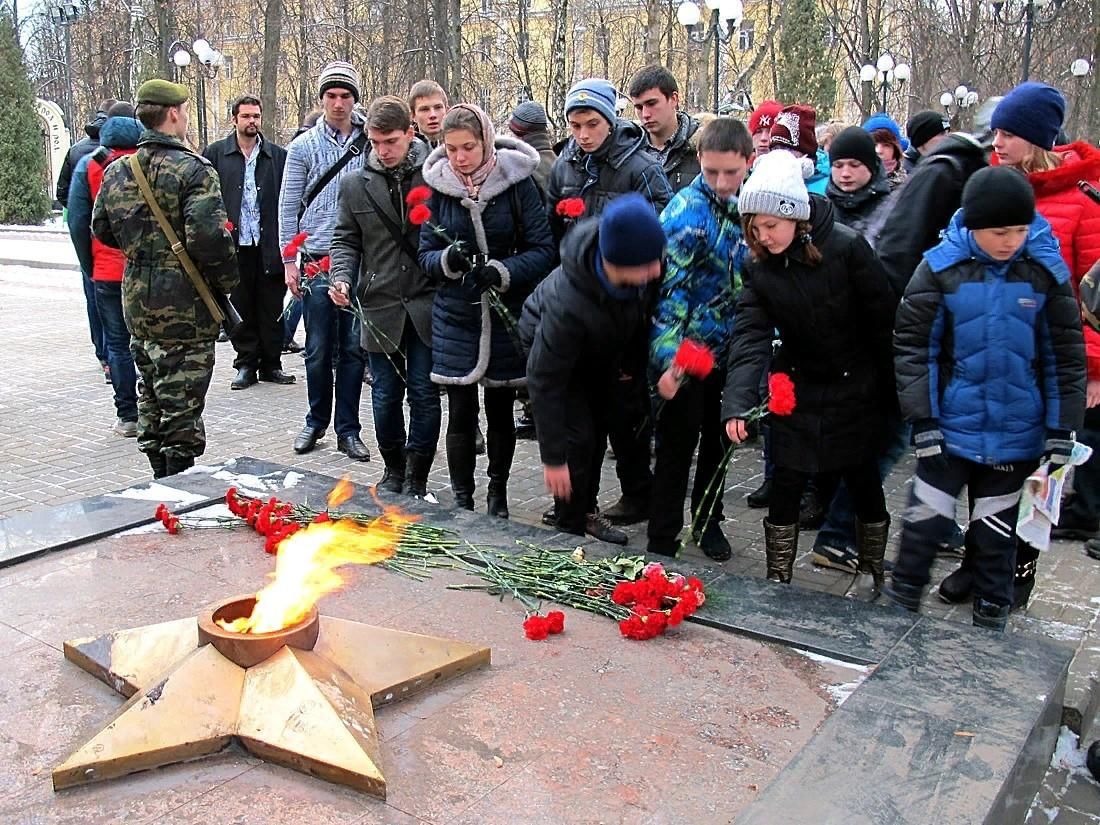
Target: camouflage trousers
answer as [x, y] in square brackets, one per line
[175, 378]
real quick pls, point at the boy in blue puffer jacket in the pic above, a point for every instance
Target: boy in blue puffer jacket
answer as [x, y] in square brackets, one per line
[697, 300]
[990, 364]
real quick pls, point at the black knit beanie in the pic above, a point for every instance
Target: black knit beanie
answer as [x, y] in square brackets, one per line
[854, 143]
[997, 196]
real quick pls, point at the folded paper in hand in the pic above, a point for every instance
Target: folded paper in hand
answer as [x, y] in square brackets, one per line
[1041, 501]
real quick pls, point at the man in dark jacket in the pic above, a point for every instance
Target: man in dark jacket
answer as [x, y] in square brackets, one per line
[656, 98]
[374, 255]
[577, 326]
[251, 171]
[84, 146]
[924, 206]
[528, 123]
[925, 130]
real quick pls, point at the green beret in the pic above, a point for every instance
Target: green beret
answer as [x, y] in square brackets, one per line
[162, 93]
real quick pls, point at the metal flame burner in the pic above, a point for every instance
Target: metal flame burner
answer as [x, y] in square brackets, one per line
[248, 649]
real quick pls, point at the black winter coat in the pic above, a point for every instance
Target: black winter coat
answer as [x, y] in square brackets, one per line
[506, 225]
[835, 320]
[857, 209]
[926, 202]
[681, 159]
[623, 164]
[577, 335]
[84, 146]
[228, 161]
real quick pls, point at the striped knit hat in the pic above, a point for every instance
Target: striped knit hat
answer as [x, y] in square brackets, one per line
[339, 75]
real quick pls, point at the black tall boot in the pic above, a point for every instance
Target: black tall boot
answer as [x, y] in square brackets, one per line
[158, 463]
[871, 546]
[417, 467]
[393, 479]
[500, 445]
[461, 461]
[1023, 582]
[175, 464]
[989, 615]
[781, 546]
[903, 594]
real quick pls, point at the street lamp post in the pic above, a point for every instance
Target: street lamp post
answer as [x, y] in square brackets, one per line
[1079, 69]
[1033, 13]
[885, 73]
[960, 99]
[65, 14]
[210, 60]
[725, 20]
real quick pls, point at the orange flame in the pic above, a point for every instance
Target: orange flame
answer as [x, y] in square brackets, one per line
[340, 493]
[305, 567]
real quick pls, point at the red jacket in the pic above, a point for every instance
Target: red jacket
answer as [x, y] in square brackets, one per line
[1075, 219]
[107, 263]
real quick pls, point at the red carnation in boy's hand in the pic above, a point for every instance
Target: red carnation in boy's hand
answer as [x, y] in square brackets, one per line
[291, 249]
[570, 207]
[419, 214]
[418, 195]
[229, 227]
[781, 400]
[694, 359]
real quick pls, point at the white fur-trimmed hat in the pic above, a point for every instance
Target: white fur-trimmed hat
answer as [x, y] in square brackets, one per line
[775, 187]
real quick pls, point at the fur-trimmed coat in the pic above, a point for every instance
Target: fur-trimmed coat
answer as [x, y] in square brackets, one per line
[506, 225]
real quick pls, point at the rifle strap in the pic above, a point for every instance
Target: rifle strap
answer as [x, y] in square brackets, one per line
[197, 280]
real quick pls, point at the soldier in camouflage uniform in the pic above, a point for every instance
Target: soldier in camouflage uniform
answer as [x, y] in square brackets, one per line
[173, 331]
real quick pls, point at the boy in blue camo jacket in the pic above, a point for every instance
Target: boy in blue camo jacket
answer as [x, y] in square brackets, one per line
[697, 300]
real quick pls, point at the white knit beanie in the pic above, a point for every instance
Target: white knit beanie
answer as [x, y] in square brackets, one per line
[775, 187]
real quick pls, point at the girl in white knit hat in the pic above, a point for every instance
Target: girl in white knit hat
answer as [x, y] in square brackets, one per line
[819, 284]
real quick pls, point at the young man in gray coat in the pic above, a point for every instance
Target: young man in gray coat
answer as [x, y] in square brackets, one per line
[374, 263]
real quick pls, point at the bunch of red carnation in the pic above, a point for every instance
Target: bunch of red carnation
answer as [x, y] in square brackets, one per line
[168, 519]
[571, 208]
[781, 399]
[270, 519]
[417, 201]
[658, 600]
[536, 627]
[314, 268]
[694, 359]
[291, 249]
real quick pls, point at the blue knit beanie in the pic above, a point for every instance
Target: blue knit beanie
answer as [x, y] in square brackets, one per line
[593, 93]
[1032, 111]
[881, 120]
[630, 234]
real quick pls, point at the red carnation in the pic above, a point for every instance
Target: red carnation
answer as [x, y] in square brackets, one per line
[781, 400]
[321, 518]
[570, 208]
[694, 359]
[419, 214]
[291, 249]
[172, 525]
[325, 264]
[311, 269]
[623, 593]
[229, 227]
[555, 621]
[418, 195]
[536, 627]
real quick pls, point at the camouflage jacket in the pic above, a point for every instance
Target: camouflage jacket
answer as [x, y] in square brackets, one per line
[159, 301]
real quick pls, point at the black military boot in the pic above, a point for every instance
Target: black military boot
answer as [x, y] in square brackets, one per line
[461, 461]
[175, 464]
[903, 594]
[780, 546]
[393, 479]
[989, 615]
[417, 467]
[158, 463]
[500, 447]
[871, 548]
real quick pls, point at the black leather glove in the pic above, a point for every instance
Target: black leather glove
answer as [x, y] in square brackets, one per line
[486, 277]
[457, 262]
[1059, 447]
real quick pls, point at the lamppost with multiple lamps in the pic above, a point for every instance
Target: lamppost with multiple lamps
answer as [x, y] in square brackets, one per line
[210, 60]
[884, 74]
[959, 100]
[1032, 13]
[65, 14]
[725, 20]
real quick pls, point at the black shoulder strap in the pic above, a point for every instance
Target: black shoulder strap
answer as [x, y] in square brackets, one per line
[394, 230]
[355, 148]
[517, 217]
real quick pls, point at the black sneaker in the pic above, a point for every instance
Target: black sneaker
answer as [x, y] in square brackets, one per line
[844, 559]
[760, 497]
[957, 587]
[714, 543]
[597, 526]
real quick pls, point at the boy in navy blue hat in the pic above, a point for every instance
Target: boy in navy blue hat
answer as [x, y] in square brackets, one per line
[577, 326]
[990, 364]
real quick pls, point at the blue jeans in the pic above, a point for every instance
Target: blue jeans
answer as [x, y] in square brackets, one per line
[407, 370]
[839, 529]
[332, 346]
[108, 298]
[290, 323]
[95, 325]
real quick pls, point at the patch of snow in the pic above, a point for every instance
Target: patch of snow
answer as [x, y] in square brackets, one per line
[159, 492]
[431, 499]
[247, 483]
[1067, 755]
[292, 479]
[839, 692]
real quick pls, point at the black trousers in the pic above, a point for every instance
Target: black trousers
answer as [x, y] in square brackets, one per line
[991, 536]
[587, 419]
[862, 481]
[462, 409]
[259, 299]
[692, 417]
[630, 431]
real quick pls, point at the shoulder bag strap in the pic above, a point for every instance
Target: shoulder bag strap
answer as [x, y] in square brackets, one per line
[200, 285]
[355, 148]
